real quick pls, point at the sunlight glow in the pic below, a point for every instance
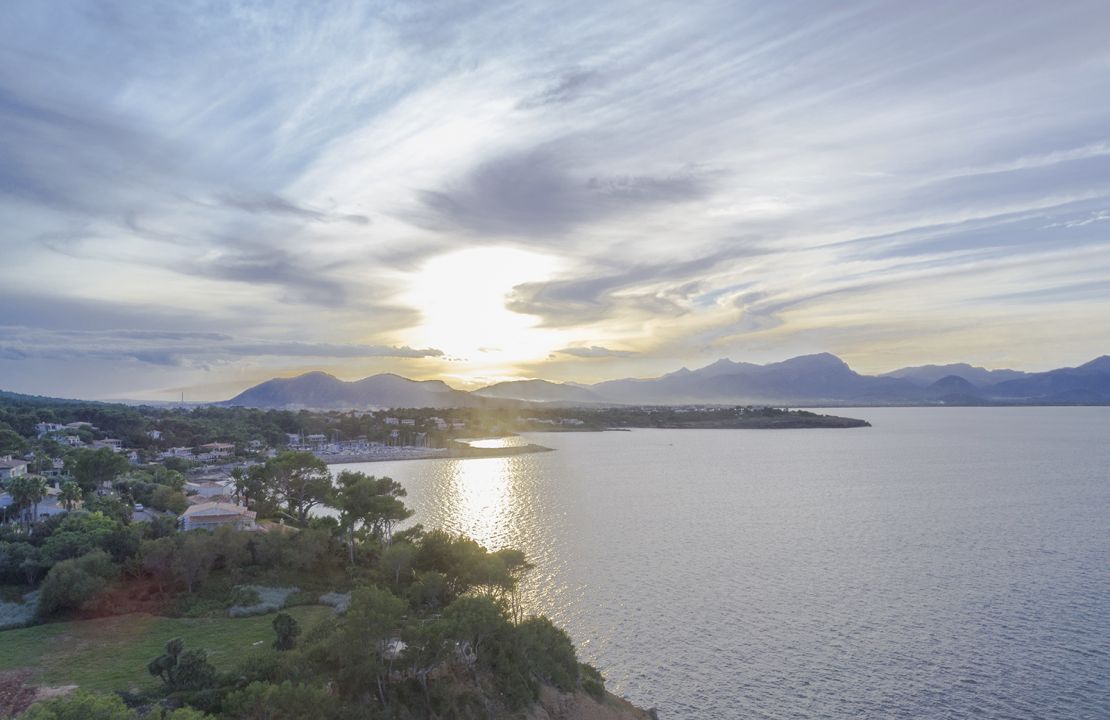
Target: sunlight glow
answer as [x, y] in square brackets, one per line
[481, 499]
[462, 296]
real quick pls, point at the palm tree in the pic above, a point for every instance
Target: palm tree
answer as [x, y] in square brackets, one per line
[70, 494]
[27, 492]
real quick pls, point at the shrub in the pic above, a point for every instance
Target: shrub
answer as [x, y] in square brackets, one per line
[591, 681]
[339, 601]
[270, 599]
[71, 583]
[80, 706]
[18, 614]
[263, 701]
[550, 653]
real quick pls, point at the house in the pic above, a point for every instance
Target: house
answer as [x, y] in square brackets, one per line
[154, 434]
[112, 444]
[392, 421]
[409, 421]
[79, 425]
[211, 515]
[45, 428]
[181, 452]
[210, 488]
[71, 440]
[216, 449]
[12, 468]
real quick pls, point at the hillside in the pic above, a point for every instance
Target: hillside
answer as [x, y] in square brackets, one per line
[820, 379]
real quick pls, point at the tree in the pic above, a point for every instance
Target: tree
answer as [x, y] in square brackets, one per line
[69, 494]
[12, 443]
[164, 497]
[71, 583]
[94, 468]
[27, 492]
[299, 481]
[182, 669]
[397, 559]
[287, 631]
[368, 506]
[157, 558]
[358, 653]
[195, 558]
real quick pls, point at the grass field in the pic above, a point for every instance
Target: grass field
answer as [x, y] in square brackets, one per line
[112, 653]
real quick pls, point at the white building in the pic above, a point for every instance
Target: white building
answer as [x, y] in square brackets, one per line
[10, 468]
[210, 488]
[392, 421]
[154, 434]
[45, 428]
[216, 450]
[211, 515]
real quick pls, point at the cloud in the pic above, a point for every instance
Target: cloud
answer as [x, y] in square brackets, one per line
[565, 88]
[596, 351]
[179, 348]
[273, 204]
[538, 192]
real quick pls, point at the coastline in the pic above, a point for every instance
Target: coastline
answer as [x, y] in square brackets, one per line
[458, 450]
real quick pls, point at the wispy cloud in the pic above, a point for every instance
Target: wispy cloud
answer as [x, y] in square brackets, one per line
[724, 178]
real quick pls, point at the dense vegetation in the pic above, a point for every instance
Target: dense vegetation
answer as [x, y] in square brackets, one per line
[427, 624]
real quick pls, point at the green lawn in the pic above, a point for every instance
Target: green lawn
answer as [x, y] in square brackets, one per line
[112, 653]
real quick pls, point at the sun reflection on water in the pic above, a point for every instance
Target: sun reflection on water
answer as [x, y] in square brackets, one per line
[480, 500]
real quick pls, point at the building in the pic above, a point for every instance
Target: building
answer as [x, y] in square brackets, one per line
[211, 515]
[10, 468]
[45, 428]
[210, 488]
[112, 444]
[392, 421]
[216, 449]
[409, 421]
[154, 434]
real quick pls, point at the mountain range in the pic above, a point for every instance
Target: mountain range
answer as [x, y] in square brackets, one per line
[821, 379]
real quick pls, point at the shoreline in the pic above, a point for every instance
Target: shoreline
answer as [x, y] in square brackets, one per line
[459, 451]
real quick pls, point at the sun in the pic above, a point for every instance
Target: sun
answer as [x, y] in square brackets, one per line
[462, 299]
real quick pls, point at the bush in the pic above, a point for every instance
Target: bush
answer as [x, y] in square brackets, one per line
[71, 583]
[591, 681]
[262, 701]
[18, 614]
[80, 705]
[270, 599]
[339, 601]
[549, 652]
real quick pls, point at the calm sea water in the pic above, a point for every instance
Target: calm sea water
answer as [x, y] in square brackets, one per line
[945, 563]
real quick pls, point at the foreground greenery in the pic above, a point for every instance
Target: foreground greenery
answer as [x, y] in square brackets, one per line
[112, 653]
[429, 624]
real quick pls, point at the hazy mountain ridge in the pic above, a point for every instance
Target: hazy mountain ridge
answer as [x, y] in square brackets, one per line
[820, 379]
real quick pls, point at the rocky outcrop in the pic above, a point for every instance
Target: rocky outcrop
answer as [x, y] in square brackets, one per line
[556, 705]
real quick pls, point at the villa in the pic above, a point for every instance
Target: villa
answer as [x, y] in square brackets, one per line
[211, 515]
[12, 468]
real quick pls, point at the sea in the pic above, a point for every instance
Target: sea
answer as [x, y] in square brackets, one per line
[943, 563]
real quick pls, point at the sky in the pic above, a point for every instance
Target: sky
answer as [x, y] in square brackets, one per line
[197, 196]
